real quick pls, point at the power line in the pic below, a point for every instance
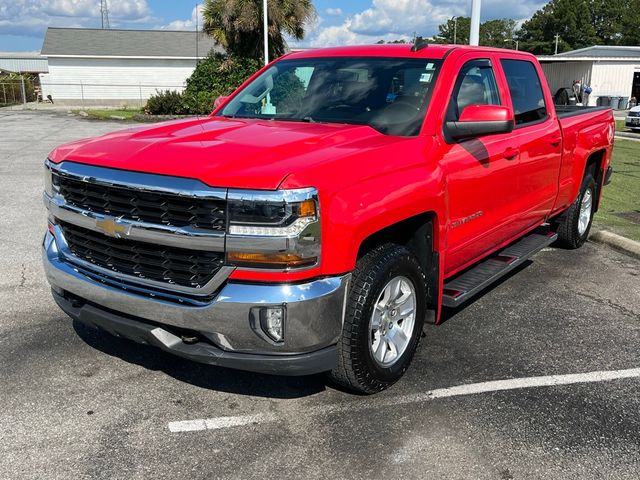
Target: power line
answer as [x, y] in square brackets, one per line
[104, 12]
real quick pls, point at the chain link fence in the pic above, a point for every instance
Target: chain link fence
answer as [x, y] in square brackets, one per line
[23, 92]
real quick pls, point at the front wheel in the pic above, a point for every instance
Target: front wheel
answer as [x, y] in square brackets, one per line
[384, 320]
[574, 228]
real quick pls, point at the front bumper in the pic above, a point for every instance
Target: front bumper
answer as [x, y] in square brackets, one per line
[227, 334]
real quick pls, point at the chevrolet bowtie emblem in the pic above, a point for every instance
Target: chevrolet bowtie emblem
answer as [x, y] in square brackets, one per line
[111, 227]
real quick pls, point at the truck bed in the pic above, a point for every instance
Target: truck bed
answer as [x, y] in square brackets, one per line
[565, 111]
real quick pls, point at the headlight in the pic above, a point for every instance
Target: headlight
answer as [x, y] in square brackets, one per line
[48, 182]
[276, 230]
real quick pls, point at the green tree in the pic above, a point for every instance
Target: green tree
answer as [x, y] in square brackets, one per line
[493, 33]
[580, 24]
[570, 19]
[214, 76]
[237, 24]
[454, 30]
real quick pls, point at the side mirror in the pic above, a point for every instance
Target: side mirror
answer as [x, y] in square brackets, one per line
[479, 120]
[220, 100]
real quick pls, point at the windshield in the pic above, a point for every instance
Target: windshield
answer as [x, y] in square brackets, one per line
[388, 94]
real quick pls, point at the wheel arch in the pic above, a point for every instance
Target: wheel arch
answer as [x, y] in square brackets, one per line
[420, 233]
[594, 165]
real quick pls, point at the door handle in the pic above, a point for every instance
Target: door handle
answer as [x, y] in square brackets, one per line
[555, 142]
[511, 153]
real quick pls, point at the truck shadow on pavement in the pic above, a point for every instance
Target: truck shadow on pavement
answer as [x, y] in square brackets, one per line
[201, 375]
[228, 380]
[448, 313]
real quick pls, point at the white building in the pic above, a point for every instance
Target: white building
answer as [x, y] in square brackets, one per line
[118, 67]
[23, 62]
[610, 71]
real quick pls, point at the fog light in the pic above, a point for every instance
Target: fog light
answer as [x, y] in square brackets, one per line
[272, 322]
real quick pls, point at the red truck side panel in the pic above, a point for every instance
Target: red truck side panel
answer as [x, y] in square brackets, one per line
[582, 136]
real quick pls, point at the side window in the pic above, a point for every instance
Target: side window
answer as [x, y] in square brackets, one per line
[476, 85]
[526, 91]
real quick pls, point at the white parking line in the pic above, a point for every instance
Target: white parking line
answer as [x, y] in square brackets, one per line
[220, 422]
[373, 402]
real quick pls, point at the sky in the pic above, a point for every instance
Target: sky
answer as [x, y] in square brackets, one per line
[23, 22]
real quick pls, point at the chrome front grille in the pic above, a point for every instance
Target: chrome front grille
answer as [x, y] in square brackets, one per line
[188, 268]
[142, 205]
[151, 230]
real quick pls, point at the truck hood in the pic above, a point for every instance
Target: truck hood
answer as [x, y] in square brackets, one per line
[222, 152]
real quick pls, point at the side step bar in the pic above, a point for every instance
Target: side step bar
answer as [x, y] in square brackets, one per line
[462, 287]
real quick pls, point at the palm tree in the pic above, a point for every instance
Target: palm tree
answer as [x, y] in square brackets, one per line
[237, 24]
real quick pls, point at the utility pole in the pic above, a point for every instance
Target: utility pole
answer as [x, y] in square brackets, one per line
[266, 31]
[197, 57]
[474, 34]
[104, 12]
[455, 30]
[557, 38]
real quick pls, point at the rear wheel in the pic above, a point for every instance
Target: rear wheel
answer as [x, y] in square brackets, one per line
[574, 227]
[383, 321]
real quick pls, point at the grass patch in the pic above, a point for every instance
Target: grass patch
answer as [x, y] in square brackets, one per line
[127, 115]
[622, 195]
[123, 115]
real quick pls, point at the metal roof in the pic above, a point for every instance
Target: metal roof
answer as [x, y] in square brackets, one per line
[26, 62]
[94, 42]
[598, 51]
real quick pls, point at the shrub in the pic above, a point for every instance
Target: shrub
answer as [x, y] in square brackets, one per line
[214, 76]
[168, 102]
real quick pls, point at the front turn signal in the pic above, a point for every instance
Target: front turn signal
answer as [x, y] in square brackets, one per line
[268, 260]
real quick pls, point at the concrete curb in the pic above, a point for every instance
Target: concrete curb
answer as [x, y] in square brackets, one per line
[628, 135]
[618, 242]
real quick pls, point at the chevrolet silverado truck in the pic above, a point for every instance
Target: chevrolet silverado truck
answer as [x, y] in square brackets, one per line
[326, 210]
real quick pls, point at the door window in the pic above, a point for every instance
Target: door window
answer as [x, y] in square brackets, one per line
[476, 85]
[526, 91]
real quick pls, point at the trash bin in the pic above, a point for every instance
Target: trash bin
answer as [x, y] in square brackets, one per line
[624, 102]
[604, 101]
[614, 102]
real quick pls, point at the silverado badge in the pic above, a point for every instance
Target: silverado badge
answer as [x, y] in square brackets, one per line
[112, 227]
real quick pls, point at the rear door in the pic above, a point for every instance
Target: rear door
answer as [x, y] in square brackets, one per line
[481, 172]
[538, 138]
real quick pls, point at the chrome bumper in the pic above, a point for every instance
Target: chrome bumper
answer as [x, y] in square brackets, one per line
[314, 310]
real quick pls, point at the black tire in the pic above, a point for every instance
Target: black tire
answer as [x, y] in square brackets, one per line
[569, 235]
[357, 370]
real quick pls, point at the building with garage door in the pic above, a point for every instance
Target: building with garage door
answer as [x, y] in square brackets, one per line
[118, 67]
[611, 72]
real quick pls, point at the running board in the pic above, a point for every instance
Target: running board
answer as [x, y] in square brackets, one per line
[462, 287]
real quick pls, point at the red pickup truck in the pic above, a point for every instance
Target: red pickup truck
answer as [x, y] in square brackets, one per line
[325, 210]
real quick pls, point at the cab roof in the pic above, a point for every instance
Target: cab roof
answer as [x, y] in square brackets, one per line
[433, 50]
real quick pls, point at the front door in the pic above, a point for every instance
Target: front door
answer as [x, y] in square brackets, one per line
[481, 173]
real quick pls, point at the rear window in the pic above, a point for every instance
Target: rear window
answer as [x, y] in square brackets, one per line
[526, 91]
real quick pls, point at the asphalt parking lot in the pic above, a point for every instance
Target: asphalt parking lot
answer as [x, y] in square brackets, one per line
[77, 403]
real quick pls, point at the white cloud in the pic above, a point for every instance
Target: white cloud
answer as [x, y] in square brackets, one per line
[334, 12]
[32, 17]
[396, 19]
[189, 24]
